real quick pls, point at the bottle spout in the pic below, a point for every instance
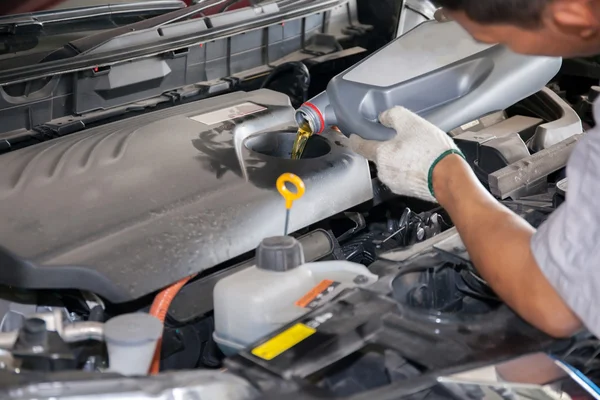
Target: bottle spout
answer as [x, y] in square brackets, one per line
[317, 112]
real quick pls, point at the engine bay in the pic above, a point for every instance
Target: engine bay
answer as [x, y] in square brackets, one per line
[429, 310]
[168, 213]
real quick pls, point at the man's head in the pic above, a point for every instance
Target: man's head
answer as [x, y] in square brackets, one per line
[548, 27]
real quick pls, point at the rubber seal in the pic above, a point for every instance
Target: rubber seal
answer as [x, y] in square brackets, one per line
[319, 114]
[436, 162]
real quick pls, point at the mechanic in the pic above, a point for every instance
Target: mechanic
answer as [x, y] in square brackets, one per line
[550, 277]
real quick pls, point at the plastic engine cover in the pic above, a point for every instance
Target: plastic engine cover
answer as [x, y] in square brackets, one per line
[125, 209]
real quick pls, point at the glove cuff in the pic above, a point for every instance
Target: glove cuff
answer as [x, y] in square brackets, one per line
[435, 163]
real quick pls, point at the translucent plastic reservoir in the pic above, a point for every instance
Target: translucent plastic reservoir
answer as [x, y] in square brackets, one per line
[279, 289]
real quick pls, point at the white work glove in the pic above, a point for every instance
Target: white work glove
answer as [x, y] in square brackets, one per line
[406, 162]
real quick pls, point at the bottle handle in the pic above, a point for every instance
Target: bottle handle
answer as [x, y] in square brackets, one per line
[371, 130]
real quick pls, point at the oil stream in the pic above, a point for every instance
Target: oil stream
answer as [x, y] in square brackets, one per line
[304, 133]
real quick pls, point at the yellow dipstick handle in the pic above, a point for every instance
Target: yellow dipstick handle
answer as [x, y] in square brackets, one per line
[288, 195]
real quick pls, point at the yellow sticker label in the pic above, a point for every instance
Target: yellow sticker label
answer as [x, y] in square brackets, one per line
[283, 342]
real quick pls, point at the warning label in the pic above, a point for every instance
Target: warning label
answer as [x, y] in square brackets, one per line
[313, 298]
[227, 114]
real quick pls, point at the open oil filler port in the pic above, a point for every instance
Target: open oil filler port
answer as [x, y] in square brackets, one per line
[295, 145]
[289, 144]
[415, 321]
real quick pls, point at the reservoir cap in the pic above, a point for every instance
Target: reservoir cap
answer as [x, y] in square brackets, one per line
[562, 186]
[279, 253]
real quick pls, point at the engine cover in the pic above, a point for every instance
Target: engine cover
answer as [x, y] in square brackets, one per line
[125, 209]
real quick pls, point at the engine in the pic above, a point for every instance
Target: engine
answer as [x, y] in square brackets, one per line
[108, 228]
[201, 177]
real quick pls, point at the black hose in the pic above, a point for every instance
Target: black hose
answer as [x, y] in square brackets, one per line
[361, 249]
[302, 76]
[97, 314]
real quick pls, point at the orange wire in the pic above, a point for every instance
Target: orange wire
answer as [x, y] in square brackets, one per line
[159, 309]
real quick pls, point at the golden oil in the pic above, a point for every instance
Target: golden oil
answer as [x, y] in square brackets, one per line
[304, 133]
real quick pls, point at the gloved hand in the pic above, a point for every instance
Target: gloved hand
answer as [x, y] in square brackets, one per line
[406, 162]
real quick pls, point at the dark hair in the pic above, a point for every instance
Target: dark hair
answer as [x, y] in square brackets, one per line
[519, 12]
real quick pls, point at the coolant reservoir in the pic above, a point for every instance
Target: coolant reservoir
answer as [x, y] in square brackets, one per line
[254, 302]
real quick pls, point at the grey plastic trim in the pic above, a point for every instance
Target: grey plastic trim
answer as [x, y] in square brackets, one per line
[12, 23]
[551, 133]
[156, 44]
[183, 28]
[234, 17]
[515, 180]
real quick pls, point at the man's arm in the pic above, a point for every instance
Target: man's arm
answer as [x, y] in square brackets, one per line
[550, 277]
[499, 244]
